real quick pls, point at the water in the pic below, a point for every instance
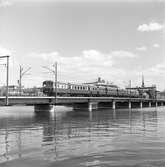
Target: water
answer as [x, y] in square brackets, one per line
[69, 138]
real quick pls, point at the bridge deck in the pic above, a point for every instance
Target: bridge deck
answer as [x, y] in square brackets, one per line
[26, 100]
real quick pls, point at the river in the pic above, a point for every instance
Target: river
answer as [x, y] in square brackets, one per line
[68, 138]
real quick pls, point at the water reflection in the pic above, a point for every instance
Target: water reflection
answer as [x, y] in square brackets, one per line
[66, 134]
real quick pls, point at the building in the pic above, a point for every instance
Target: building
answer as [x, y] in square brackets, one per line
[145, 91]
[14, 90]
[101, 82]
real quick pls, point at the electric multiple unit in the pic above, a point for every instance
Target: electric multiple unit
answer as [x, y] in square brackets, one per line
[68, 89]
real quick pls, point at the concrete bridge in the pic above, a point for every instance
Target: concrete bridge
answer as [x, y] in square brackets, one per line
[42, 103]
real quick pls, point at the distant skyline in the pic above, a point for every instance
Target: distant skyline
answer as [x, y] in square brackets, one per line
[116, 40]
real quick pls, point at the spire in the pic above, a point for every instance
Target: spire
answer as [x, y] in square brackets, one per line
[142, 81]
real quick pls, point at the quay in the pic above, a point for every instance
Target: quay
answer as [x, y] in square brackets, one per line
[90, 103]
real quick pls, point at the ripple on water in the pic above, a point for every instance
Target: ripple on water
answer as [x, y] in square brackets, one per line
[70, 138]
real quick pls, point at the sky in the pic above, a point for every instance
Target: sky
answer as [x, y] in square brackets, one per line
[117, 40]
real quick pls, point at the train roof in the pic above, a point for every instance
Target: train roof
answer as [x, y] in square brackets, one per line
[94, 84]
[102, 84]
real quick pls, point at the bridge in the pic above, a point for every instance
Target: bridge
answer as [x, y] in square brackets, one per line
[43, 103]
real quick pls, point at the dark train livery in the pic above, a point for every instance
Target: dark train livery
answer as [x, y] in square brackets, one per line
[86, 90]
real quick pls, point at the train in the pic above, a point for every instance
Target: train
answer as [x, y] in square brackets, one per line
[86, 90]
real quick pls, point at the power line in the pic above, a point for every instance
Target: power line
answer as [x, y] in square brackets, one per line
[7, 77]
[54, 71]
[22, 73]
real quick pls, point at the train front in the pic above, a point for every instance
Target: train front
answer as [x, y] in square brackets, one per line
[48, 88]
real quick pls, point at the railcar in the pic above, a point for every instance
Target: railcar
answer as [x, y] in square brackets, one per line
[48, 87]
[111, 91]
[78, 89]
[101, 91]
[93, 90]
[68, 89]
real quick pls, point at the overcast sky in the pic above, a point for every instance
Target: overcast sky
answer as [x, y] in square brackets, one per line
[116, 40]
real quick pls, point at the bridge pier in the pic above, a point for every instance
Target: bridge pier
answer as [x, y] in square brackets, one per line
[92, 106]
[113, 105]
[129, 105]
[141, 104]
[38, 108]
[149, 104]
[161, 103]
[156, 104]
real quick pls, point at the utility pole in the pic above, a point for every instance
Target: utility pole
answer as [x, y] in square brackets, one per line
[7, 78]
[54, 71]
[142, 80]
[22, 73]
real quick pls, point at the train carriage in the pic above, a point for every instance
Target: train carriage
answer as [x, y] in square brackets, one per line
[122, 93]
[78, 89]
[111, 91]
[68, 89]
[93, 91]
[48, 87]
[62, 89]
[101, 91]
